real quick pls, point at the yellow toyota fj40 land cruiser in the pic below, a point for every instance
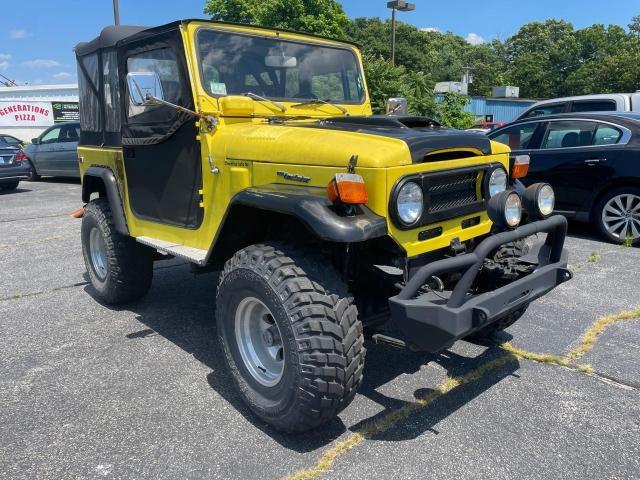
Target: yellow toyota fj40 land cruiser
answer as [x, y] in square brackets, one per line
[255, 152]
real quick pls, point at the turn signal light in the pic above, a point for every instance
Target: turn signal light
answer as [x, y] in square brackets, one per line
[520, 166]
[348, 188]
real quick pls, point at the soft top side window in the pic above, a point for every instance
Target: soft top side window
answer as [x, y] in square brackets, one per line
[164, 63]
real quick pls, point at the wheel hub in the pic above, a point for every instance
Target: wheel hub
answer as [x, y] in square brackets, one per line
[621, 216]
[98, 253]
[259, 341]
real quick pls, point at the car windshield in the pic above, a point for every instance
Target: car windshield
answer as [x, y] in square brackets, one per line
[234, 64]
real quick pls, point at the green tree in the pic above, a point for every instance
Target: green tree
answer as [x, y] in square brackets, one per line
[387, 81]
[451, 113]
[320, 17]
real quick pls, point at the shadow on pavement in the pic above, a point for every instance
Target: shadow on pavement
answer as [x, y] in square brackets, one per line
[181, 308]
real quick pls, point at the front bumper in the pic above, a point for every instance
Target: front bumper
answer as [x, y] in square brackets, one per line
[434, 320]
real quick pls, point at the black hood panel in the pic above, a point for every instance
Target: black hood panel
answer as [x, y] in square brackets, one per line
[423, 135]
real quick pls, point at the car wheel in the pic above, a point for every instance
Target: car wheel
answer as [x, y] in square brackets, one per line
[290, 334]
[9, 186]
[32, 173]
[120, 269]
[617, 215]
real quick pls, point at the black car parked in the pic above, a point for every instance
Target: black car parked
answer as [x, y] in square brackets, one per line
[592, 160]
[12, 170]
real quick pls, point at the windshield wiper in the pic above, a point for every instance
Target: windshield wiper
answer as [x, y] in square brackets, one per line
[254, 96]
[317, 101]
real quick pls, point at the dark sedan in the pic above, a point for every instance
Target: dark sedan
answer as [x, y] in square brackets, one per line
[593, 162]
[12, 169]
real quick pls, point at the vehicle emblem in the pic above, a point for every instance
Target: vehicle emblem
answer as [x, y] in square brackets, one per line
[294, 177]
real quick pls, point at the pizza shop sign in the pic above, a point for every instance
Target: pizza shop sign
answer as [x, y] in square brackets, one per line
[26, 114]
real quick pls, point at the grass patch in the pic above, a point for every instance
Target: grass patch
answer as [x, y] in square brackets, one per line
[590, 337]
[594, 257]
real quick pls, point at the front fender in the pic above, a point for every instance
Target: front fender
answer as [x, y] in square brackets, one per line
[311, 206]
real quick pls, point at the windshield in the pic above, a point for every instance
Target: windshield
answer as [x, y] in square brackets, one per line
[233, 64]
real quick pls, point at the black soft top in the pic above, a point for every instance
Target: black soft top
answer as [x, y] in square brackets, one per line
[107, 38]
[111, 35]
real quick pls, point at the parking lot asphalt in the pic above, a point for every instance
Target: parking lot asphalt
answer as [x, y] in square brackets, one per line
[88, 391]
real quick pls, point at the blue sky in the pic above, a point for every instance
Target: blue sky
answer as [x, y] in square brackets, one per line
[37, 37]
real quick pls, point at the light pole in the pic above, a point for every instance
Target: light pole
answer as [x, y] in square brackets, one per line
[116, 13]
[402, 6]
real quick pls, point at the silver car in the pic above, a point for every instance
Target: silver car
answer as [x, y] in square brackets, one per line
[54, 152]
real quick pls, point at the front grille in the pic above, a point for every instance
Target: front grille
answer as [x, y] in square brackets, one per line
[451, 191]
[448, 194]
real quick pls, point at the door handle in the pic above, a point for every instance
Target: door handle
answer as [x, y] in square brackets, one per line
[594, 161]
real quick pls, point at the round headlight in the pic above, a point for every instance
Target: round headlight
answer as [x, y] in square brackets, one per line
[546, 200]
[539, 200]
[505, 209]
[513, 209]
[497, 181]
[409, 204]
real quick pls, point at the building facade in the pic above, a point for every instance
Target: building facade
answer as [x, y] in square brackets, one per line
[26, 111]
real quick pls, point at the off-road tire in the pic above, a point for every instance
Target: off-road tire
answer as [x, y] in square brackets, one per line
[600, 205]
[509, 250]
[323, 344]
[33, 174]
[129, 264]
[9, 186]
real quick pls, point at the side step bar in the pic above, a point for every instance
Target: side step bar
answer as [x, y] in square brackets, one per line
[194, 255]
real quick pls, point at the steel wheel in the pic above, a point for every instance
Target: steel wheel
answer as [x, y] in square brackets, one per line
[98, 253]
[259, 341]
[621, 216]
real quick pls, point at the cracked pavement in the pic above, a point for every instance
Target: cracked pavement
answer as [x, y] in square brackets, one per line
[88, 391]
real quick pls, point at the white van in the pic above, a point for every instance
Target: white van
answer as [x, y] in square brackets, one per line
[606, 102]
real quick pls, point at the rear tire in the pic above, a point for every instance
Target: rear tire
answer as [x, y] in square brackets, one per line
[617, 215]
[120, 269]
[32, 174]
[312, 330]
[9, 186]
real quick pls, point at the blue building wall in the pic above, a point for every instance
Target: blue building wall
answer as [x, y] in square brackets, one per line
[503, 109]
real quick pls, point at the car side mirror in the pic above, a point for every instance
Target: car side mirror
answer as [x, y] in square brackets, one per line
[236, 106]
[35, 141]
[144, 88]
[397, 106]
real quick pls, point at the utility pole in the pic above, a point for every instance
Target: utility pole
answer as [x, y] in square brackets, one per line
[116, 13]
[402, 6]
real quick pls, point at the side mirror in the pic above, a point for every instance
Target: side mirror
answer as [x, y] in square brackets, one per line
[236, 106]
[397, 106]
[35, 141]
[144, 87]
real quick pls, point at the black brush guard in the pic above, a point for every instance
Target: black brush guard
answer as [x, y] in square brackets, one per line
[434, 320]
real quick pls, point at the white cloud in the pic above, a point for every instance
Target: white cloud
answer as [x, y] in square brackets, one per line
[62, 75]
[431, 29]
[41, 63]
[474, 39]
[19, 34]
[4, 65]
[5, 56]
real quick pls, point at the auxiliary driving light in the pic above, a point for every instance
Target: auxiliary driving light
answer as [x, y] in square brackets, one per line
[539, 200]
[505, 209]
